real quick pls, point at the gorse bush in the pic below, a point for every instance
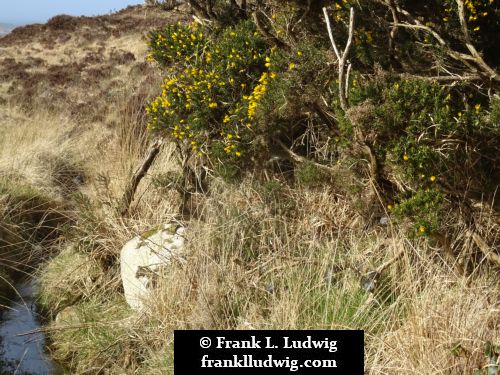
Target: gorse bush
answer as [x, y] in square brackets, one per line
[238, 91]
[425, 138]
[222, 88]
[419, 129]
[212, 89]
[423, 209]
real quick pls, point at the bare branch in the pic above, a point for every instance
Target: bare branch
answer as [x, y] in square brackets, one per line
[343, 78]
[468, 42]
[304, 15]
[343, 60]
[394, 29]
[449, 78]
[351, 33]
[300, 159]
[346, 91]
[330, 34]
[342, 57]
[128, 195]
[273, 39]
[419, 26]
[474, 55]
[199, 9]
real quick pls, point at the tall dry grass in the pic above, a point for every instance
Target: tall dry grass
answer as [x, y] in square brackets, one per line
[260, 258]
[245, 268]
[38, 166]
[37, 150]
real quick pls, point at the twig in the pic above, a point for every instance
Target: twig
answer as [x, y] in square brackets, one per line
[491, 255]
[304, 15]
[394, 29]
[465, 58]
[418, 26]
[199, 9]
[468, 42]
[266, 33]
[141, 171]
[330, 34]
[325, 116]
[342, 57]
[343, 60]
[301, 159]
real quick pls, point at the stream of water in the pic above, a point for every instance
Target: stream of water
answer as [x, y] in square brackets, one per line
[22, 353]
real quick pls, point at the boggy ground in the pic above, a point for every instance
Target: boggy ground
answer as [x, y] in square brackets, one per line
[259, 254]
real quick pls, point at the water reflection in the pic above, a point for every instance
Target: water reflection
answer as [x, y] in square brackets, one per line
[20, 353]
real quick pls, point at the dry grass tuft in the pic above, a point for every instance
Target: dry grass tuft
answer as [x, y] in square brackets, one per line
[445, 331]
[247, 268]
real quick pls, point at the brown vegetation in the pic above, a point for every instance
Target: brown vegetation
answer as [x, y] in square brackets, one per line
[75, 65]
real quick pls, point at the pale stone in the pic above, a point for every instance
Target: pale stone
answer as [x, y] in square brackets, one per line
[68, 316]
[143, 256]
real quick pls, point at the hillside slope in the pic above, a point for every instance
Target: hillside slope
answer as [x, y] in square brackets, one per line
[75, 65]
[5, 29]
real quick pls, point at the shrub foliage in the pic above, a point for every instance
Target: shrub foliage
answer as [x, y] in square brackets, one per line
[263, 84]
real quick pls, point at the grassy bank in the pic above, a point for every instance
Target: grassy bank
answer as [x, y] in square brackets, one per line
[35, 178]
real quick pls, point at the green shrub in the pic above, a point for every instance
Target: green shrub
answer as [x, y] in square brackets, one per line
[424, 208]
[310, 175]
[228, 96]
[213, 86]
[426, 139]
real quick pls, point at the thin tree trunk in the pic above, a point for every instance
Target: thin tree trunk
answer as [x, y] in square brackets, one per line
[128, 195]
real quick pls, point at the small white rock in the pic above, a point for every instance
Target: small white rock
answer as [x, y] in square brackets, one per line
[142, 256]
[384, 220]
